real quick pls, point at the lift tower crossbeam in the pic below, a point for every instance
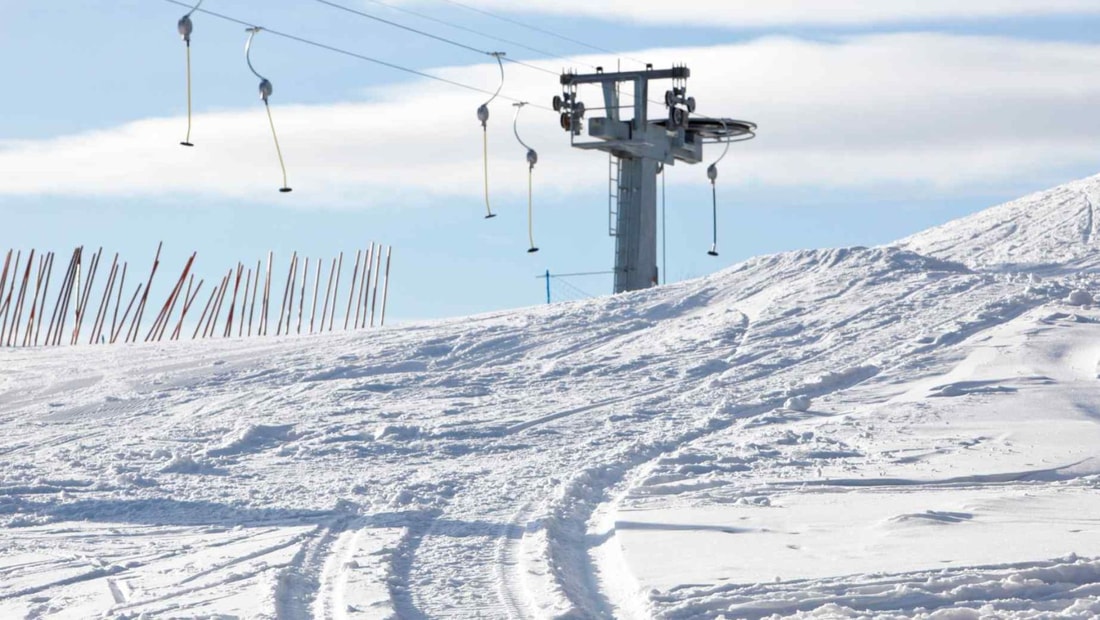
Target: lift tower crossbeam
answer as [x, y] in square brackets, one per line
[641, 147]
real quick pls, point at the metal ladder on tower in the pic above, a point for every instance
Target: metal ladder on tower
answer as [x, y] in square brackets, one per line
[614, 171]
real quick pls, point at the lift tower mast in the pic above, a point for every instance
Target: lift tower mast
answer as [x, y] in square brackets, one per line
[638, 149]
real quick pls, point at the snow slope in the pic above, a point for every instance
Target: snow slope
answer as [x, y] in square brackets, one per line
[867, 432]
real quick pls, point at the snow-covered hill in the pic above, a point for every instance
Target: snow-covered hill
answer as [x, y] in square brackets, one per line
[911, 430]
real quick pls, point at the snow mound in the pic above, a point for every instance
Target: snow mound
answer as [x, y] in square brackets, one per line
[1056, 231]
[253, 438]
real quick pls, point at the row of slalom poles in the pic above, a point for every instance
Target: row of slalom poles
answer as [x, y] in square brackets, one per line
[232, 305]
[25, 292]
[230, 309]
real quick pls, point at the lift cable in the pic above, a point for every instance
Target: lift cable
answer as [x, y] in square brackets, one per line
[542, 30]
[351, 54]
[474, 31]
[428, 34]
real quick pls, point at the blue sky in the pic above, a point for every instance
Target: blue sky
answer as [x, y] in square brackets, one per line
[873, 126]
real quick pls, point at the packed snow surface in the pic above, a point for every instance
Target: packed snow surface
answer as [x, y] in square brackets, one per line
[904, 431]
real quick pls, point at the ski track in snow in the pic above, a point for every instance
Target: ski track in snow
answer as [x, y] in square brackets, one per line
[505, 465]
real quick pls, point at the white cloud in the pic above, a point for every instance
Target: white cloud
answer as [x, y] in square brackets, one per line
[762, 13]
[867, 111]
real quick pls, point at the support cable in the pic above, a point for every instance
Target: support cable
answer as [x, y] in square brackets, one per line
[351, 54]
[473, 31]
[542, 30]
[429, 35]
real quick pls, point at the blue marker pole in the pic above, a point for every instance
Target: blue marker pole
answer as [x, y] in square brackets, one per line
[548, 287]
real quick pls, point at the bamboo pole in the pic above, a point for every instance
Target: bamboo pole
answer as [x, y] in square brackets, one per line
[328, 294]
[377, 273]
[165, 313]
[78, 290]
[316, 289]
[213, 322]
[293, 283]
[135, 328]
[42, 263]
[288, 294]
[87, 294]
[244, 301]
[125, 315]
[20, 297]
[4, 276]
[60, 296]
[233, 303]
[73, 282]
[5, 305]
[45, 292]
[267, 296]
[188, 299]
[336, 291]
[364, 283]
[17, 324]
[302, 299]
[172, 299]
[351, 295]
[213, 294]
[255, 289]
[18, 314]
[118, 304]
[386, 287]
[214, 307]
[183, 310]
[5, 298]
[104, 302]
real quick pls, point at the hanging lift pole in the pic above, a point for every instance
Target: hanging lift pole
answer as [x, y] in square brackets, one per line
[532, 159]
[265, 89]
[641, 145]
[483, 116]
[185, 28]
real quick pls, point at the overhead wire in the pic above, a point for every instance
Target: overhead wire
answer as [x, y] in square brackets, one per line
[539, 29]
[351, 54]
[429, 35]
[474, 31]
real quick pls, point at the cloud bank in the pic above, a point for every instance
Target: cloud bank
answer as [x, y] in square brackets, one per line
[756, 14]
[867, 111]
